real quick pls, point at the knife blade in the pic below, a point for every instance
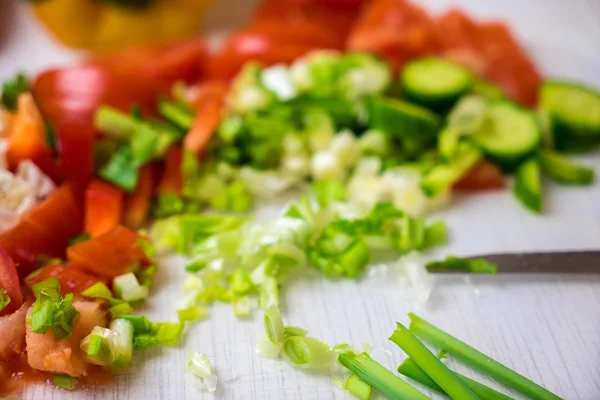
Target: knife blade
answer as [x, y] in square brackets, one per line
[563, 262]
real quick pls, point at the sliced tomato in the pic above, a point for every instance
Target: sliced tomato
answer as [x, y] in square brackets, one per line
[171, 180]
[457, 30]
[103, 207]
[9, 281]
[72, 279]
[483, 176]
[396, 30]
[108, 255]
[138, 203]
[46, 229]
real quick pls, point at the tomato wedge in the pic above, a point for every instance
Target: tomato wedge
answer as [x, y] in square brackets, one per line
[483, 176]
[46, 229]
[103, 207]
[111, 254]
[138, 203]
[9, 281]
[72, 279]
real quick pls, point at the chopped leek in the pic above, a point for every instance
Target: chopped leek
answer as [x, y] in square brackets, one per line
[167, 333]
[64, 381]
[308, 353]
[192, 313]
[129, 289]
[475, 266]
[122, 170]
[123, 344]
[411, 370]
[120, 309]
[379, 378]
[199, 365]
[99, 290]
[273, 324]
[114, 123]
[358, 388]
[99, 346]
[432, 366]
[176, 114]
[478, 360]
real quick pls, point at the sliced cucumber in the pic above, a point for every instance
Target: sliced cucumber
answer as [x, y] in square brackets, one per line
[402, 119]
[563, 170]
[528, 185]
[574, 113]
[509, 135]
[435, 83]
[489, 90]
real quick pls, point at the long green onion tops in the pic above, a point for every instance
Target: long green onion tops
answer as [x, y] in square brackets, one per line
[478, 360]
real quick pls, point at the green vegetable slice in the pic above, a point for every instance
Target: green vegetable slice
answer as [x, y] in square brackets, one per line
[432, 365]
[528, 185]
[375, 375]
[563, 170]
[11, 89]
[411, 370]
[402, 119]
[574, 113]
[435, 83]
[509, 135]
[4, 299]
[358, 388]
[476, 266]
[478, 360]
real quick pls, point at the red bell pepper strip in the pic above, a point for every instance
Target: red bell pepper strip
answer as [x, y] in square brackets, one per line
[138, 203]
[45, 230]
[26, 139]
[71, 278]
[208, 101]
[483, 176]
[171, 180]
[103, 207]
[109, 255]
[9, 281]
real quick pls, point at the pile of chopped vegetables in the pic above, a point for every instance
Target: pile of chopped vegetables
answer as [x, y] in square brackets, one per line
[375, 128]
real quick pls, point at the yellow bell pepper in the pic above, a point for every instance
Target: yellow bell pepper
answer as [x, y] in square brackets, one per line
[102, 25]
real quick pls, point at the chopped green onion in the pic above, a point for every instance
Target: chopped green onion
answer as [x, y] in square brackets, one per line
[64, 381]
[122, 170]
[241, 306]
[140, 323]
[478, 360]
[358, 388]
[411, 370]
[144, 144]
[79, 238]
[328, 192]
[120, 309]
[99, 346]
[168, 333]
[192, 313]
[240, 282]
[177, 115]
[563, 170]
[146, 275]
[51, 310]
[412, 234]
[123, 344]
[64, 317]
[128, 288]
[435, 235]
[168, 204]
[99, 290]
[475, 266]
[290, 331]
[50, 288]
[144, 340]
[432, 365]
[379, 378]
[269, 292]
[273, 324]
[4, 299]
[268, 349]
[42, 316]
[199, 365]
[308, 353]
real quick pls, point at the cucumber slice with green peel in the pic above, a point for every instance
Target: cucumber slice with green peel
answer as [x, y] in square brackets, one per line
[402, 119]
[509, 135]
[574, 114]
[435, 83]
[564, 170]
[528, 185]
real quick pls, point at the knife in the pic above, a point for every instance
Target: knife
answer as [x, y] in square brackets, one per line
[565, 262]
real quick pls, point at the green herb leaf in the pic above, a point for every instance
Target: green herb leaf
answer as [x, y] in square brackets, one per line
[11, 89]
[4, 299]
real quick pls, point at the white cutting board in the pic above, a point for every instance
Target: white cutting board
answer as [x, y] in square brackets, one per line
[547, 328]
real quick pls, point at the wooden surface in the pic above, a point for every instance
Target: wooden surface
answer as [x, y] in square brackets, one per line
[547, 328]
